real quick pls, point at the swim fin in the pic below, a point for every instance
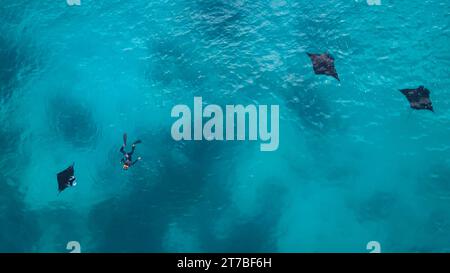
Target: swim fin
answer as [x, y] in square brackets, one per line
[125, 139]
[137, 142]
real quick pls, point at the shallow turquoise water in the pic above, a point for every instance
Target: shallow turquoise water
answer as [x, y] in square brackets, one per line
[355, 163]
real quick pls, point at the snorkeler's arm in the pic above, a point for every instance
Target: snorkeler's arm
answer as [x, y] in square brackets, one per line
[138, 159]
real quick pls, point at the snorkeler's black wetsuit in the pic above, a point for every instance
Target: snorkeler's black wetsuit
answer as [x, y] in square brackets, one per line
[127, 156]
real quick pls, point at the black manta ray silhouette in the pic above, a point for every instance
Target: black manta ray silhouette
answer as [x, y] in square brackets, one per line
[323, 64]
[418, 98]
[66, 178]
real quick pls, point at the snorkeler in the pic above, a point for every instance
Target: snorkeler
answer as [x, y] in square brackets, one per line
[126, 160]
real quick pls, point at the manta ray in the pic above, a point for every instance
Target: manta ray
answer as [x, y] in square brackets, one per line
[66, 178]
[418, 98]
[323, 64]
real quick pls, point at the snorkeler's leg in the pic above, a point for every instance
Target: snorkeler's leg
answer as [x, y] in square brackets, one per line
[137, 142]
[133, 147]
[125, 139]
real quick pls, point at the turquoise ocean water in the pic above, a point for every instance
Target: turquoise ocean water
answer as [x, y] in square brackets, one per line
[355, 163]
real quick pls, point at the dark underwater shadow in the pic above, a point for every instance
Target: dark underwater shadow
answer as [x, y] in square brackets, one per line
[73, 121]
[62, 224]
[19, 58]
[256, 233]
[434, 182]
[19, 230]
[315, 114]
[16, 64]
[378, 207]
[165, 185]
[218, 19]
[201, 57]
[321, 26]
